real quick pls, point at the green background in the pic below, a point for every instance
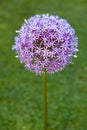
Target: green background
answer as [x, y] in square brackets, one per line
[21, 97]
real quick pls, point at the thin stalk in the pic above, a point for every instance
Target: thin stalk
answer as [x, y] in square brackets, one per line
[45, 100]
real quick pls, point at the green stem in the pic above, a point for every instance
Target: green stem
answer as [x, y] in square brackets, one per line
[45, 100]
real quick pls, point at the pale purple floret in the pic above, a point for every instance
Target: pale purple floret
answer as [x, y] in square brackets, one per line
[46, 42]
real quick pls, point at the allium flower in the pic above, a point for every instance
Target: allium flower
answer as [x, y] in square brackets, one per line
[46, 42]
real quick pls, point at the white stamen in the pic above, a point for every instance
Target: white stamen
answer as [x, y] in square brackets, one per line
[17, 56]
[75, 56]
[77, 50]
[17, 31]
[25, 20]
[21, 61]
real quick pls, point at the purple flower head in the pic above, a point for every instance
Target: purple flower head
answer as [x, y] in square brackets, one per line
[46, 42]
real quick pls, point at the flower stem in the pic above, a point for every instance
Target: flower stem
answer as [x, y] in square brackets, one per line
[45, 99]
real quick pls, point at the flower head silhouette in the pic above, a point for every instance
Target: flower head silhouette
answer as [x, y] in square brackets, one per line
[46, 42]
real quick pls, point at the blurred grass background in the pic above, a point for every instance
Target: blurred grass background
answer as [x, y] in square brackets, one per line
[21, 101]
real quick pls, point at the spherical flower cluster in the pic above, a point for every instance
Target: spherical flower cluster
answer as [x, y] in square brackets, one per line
[46, 42]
